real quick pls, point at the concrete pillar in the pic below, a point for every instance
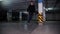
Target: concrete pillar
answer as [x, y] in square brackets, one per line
[41, 11]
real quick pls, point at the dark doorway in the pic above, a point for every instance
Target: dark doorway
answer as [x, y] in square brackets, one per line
[15, 16]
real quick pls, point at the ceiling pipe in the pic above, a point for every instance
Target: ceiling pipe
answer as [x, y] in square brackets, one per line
[57, 1]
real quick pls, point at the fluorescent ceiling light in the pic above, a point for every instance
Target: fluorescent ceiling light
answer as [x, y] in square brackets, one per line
[6, 2]
[48, 9]
[0, 0]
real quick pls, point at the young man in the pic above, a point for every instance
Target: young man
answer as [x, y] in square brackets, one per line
[31, 10]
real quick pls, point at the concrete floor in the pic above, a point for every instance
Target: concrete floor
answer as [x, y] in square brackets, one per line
[17, 27]
[50, 27]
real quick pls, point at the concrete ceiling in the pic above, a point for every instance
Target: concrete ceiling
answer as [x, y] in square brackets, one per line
[16, 4]
[52, 3]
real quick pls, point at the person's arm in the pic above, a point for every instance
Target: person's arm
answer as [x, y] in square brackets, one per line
[34, 9]
[28, 8]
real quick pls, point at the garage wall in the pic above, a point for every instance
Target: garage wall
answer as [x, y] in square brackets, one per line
[53, 16]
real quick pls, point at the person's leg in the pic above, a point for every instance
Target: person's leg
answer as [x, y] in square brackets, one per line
[30, 17]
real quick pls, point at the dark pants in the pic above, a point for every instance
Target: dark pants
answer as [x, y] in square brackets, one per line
[30, 17]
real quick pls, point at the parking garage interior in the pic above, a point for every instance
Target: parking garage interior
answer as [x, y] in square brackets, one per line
[13, 17]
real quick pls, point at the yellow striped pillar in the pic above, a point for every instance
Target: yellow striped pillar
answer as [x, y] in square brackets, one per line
[40, 12]
[40, 18]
